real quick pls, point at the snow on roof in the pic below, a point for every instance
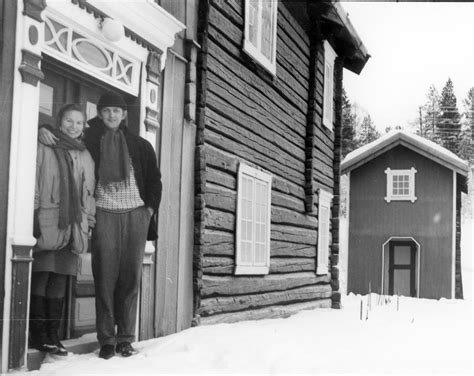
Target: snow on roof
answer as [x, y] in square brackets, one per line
[417, 143]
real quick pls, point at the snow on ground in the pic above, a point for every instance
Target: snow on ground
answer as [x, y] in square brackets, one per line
[409, 336]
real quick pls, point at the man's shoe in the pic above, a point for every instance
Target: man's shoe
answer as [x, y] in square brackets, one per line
[106, 352]
[125, 349]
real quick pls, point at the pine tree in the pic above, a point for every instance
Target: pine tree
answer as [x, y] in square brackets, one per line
[349, 142]
[469, 110]
[368, 132]
[449, 125]
[466, 143]
[430, 114]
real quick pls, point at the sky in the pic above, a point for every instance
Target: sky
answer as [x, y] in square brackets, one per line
[412, 46]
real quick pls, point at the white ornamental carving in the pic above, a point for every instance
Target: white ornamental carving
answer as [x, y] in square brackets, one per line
[91, 55]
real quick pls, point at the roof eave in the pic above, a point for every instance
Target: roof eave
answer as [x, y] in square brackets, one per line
[372, 153]
[358, 55]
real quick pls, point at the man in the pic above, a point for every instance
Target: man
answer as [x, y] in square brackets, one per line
[128, 193]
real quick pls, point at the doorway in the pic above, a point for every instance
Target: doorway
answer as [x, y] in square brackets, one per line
[62, 85]
[402, 268]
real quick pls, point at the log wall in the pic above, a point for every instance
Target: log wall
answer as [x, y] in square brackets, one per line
[247, 115]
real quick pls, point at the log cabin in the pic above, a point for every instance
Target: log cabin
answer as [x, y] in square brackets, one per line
[241, 101]
[268, 156]
[404, 217]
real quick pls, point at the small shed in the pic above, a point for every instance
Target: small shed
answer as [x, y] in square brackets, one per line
[404, 217]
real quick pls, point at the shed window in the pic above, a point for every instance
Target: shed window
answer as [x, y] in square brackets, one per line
[260, 32]
[324, 216]
[328, 106]
[400, 185]
[253, 221]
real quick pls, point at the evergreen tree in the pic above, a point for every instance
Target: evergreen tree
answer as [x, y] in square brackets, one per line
[449, 125]
[469, 110]
[368, 132]
[466, 143]
[349, 117]
[430, 113]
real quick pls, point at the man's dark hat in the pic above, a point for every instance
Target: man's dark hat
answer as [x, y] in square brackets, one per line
[111, 99]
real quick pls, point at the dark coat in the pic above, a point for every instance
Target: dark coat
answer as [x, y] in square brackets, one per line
[143, 158]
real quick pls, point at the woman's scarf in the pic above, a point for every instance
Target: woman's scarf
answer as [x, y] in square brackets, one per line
[69, 201]
[114, 164]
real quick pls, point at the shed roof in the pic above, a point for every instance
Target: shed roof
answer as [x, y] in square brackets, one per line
[412, 141]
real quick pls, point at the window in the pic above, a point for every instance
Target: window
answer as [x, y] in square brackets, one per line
[253, 221]
[400, 185]
[260, 32]
[324, 216]
[328, 106]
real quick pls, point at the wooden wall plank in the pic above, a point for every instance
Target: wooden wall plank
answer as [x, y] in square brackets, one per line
[211, 306]
[227, 286]
[275, 311]
[250, 154]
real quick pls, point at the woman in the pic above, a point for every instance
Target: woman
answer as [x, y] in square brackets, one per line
[64, 213]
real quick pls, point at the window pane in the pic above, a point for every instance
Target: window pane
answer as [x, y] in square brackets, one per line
[266, 41]
[400, 185]
[327, 89]
[253, 21]
[46, 100]
[91, 54]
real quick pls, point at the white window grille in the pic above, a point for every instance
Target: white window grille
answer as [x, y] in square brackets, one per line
[261, 32]
[253, 221]
[328, 105]
[324, 217]
[400, 185]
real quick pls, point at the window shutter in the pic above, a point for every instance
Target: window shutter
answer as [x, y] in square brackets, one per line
[253, 221]
[328, 100]
[247, 237]
[324, 217]
[261, 210]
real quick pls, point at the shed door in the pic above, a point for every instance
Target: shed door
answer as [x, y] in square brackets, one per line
[402, 268]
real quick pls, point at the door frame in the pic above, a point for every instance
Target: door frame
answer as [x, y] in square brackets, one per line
[150, 29]
[386, 246]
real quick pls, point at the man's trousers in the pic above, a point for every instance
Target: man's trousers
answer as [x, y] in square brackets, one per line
[118, 245]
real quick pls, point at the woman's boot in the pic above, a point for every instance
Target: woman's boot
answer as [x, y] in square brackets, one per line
[38, 333]
[54, 307]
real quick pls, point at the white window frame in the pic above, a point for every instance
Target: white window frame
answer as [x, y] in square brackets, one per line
[328, 98]
[253, 50]
[252, 266]
[411, 185]
[324, 231]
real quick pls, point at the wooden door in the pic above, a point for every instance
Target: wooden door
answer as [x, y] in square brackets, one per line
[402, 268]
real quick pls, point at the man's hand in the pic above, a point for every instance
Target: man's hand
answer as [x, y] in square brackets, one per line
[46, 137]
[150, 210]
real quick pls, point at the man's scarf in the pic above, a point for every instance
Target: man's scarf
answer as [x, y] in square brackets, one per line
[69, 201]
[114, 164]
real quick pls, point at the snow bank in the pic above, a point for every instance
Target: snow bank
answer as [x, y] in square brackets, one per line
[405, 336]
